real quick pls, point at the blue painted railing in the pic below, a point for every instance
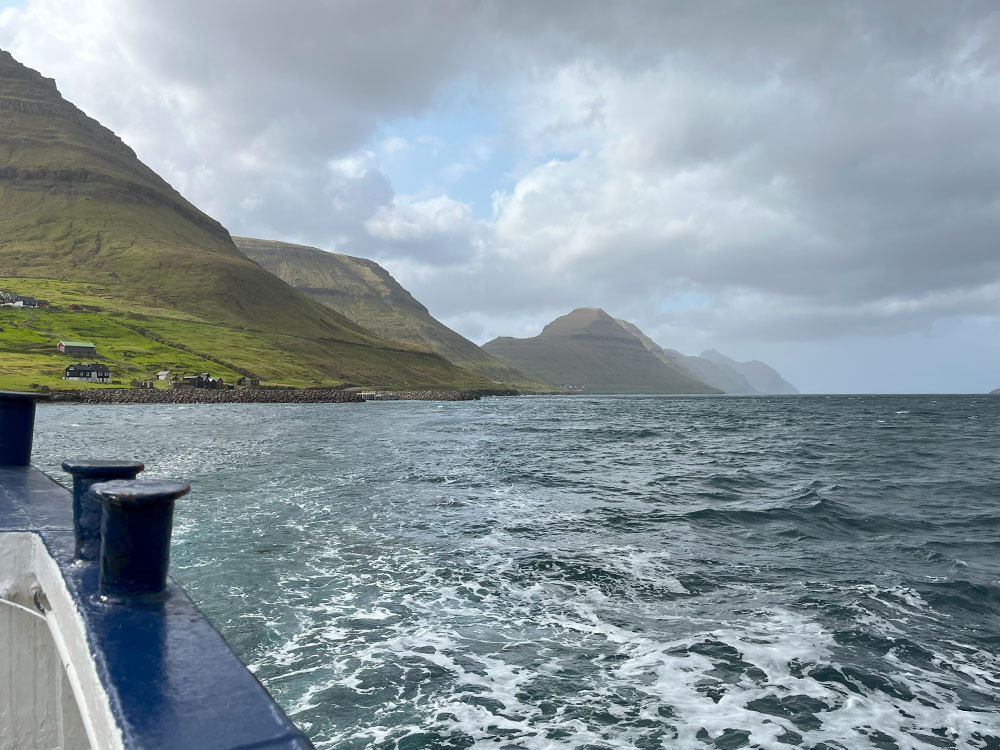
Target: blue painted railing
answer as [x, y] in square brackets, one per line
[171, 680]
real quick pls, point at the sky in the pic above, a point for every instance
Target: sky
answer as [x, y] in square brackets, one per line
[813, 185]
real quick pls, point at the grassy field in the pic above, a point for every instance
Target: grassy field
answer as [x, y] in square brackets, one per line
[28, 354]
[140, 340]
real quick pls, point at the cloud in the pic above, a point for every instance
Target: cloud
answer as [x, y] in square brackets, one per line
[393, 146]
[433, 231]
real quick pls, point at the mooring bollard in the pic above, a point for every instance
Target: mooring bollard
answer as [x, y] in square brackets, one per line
[17, 426]
[86, 510]
[135, 534]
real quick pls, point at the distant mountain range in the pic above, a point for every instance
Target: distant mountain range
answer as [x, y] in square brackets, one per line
[762, 378]
[586, 350]
[364, 292]
[590, 352]
[723, 378]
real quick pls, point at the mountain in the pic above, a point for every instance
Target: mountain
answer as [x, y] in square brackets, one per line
[588, 351]
[762, 378]
[718, 376]
[717, 370]
[364, 292]
[153, 281]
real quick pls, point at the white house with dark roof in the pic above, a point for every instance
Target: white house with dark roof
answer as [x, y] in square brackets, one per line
[95, 373]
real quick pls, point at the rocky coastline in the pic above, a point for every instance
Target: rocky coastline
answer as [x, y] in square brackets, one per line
[256, 396]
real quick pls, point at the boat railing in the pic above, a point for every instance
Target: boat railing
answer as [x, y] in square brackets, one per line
[99, 647]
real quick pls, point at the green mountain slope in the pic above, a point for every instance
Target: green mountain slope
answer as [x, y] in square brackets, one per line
[588, 351]
[78, 208]
[366, 293]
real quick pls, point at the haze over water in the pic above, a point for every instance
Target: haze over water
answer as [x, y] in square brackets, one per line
[816, 572]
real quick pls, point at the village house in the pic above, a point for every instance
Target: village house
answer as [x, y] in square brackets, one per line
[95, 373]
[165, 375]
[9, 299]
[76, 347]
[204, 380]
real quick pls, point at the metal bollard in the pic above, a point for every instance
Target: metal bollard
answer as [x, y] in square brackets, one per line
[135, 534]
[17, 425]
[86, 510]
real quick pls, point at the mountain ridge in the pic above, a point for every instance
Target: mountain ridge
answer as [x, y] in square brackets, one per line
[761, 376]
[725, 379]
[366, 293]
[587, 351]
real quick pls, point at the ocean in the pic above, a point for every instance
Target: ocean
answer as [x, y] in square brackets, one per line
[592, 572]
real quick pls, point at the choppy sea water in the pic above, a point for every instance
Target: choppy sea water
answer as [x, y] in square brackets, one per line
[613, 572]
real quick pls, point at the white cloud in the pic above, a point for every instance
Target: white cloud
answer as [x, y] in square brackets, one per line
[433, 231]
[396, 145]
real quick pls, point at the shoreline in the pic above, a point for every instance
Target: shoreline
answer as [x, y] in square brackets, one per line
[257, 396]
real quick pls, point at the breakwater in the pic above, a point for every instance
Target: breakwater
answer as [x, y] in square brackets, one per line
[255, 395]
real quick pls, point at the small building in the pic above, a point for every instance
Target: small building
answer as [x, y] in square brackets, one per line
[43, 303]
[29, 302]
[197, 381]
[76, 347]
[94, 373]
[164, 375]
[204, 380]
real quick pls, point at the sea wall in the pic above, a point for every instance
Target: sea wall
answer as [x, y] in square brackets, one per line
[253, 396]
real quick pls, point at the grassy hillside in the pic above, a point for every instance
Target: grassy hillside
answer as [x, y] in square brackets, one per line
[364, 292]
[78, 209]
[136, 341]
[588, 351]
